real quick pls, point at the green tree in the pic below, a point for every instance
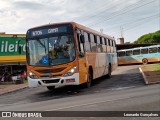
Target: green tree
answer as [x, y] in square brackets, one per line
[149, 38]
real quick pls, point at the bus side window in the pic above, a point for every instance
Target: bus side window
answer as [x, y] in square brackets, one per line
[87, 43]
[129, 53]
[121, 54]
[109, 46]
[80, 43]
[103, 45]
[144, 51]
[114, 46]
[93, 43]
[159, 49]
[136, 52]
[153, 50]
[98, 44]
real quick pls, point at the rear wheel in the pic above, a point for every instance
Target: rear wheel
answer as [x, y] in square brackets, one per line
[89, 79]
[51, 88]
[109, 71]
[145, 61]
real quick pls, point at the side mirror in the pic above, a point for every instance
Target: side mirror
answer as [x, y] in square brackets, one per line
[81, 54]
[81, 38]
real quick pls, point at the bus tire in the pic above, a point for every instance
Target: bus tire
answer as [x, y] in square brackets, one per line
[51, 88]
[109, 71]
[89, 79]
[145, 61]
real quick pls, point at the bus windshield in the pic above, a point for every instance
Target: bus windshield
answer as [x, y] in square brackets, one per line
[51, 51]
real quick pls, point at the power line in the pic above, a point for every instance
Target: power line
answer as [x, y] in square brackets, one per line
[125, 8]
[95, 14]
[137, 20]
[115, 15]
[139, 24]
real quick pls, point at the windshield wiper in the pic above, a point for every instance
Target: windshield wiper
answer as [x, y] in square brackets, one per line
[42, 45]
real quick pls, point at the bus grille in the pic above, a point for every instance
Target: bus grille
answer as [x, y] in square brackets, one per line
[56, 70]
[51, 81]
[48, 76]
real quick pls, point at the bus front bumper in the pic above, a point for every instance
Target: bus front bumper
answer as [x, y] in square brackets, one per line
[57, 82]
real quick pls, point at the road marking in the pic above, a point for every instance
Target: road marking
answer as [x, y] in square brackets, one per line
[85, 104]
[122, 88]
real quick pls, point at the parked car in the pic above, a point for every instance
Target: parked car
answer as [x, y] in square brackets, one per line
[17, 77]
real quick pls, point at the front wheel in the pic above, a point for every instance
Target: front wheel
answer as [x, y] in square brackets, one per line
[89, 80]
[51, 88]
[109, 71]
[145, 61]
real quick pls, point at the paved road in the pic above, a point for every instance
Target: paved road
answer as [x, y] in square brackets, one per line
[125, 91]
[123, 78]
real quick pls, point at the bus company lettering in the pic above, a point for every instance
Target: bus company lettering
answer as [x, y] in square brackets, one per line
[10, 47]
[53, 30]
[36, 33]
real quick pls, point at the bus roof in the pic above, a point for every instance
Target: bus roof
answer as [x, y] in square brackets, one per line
[139, 48]
[78, 26]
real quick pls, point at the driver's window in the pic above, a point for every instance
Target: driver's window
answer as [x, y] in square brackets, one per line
[80, 43]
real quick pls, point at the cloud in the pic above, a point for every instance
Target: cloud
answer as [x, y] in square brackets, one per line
[19, 15]
[28, 5]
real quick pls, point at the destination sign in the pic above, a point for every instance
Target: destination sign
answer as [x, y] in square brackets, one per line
[49, 30]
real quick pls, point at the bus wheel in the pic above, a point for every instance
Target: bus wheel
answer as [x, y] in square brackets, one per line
[109, 71]
[145, 61]
[51, 88]
[89, 79]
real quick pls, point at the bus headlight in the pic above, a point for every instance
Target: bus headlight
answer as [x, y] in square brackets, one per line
[71, 71]
[32, 75]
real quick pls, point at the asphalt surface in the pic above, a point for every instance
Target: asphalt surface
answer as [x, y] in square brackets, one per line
[123, 78]
[124, 91]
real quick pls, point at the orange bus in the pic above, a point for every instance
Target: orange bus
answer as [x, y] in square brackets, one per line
[68, 53]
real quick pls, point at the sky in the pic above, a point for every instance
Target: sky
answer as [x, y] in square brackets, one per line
[127, 18]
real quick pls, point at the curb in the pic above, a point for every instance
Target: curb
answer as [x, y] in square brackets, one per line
[13, 88]
[144, 77]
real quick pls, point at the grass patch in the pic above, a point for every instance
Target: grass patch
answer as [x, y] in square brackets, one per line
[155, 67]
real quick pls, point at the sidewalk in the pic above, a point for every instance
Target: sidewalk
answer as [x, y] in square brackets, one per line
[150, 74]
[12, 87]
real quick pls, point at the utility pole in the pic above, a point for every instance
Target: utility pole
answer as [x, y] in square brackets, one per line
[121, 30]
[101, 30]
[159, 13]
